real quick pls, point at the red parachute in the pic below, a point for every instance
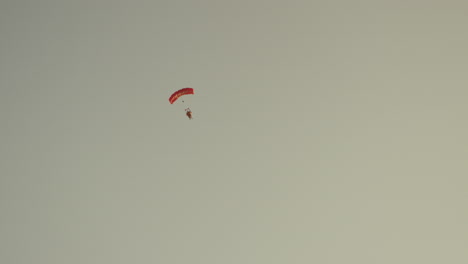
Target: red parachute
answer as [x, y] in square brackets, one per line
[179, 93]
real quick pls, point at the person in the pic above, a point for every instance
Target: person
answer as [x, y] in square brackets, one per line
[188, 112]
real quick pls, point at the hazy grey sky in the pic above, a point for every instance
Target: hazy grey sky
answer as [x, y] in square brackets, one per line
[323, 132]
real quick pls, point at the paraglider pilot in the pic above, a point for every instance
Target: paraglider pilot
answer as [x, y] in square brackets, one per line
[188, 112]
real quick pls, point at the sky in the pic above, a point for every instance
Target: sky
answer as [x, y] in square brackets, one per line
[323, 132]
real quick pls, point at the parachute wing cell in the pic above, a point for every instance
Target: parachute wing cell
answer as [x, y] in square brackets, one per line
[179, 93]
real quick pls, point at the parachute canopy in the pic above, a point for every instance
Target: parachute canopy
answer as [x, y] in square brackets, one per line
[179, 93]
